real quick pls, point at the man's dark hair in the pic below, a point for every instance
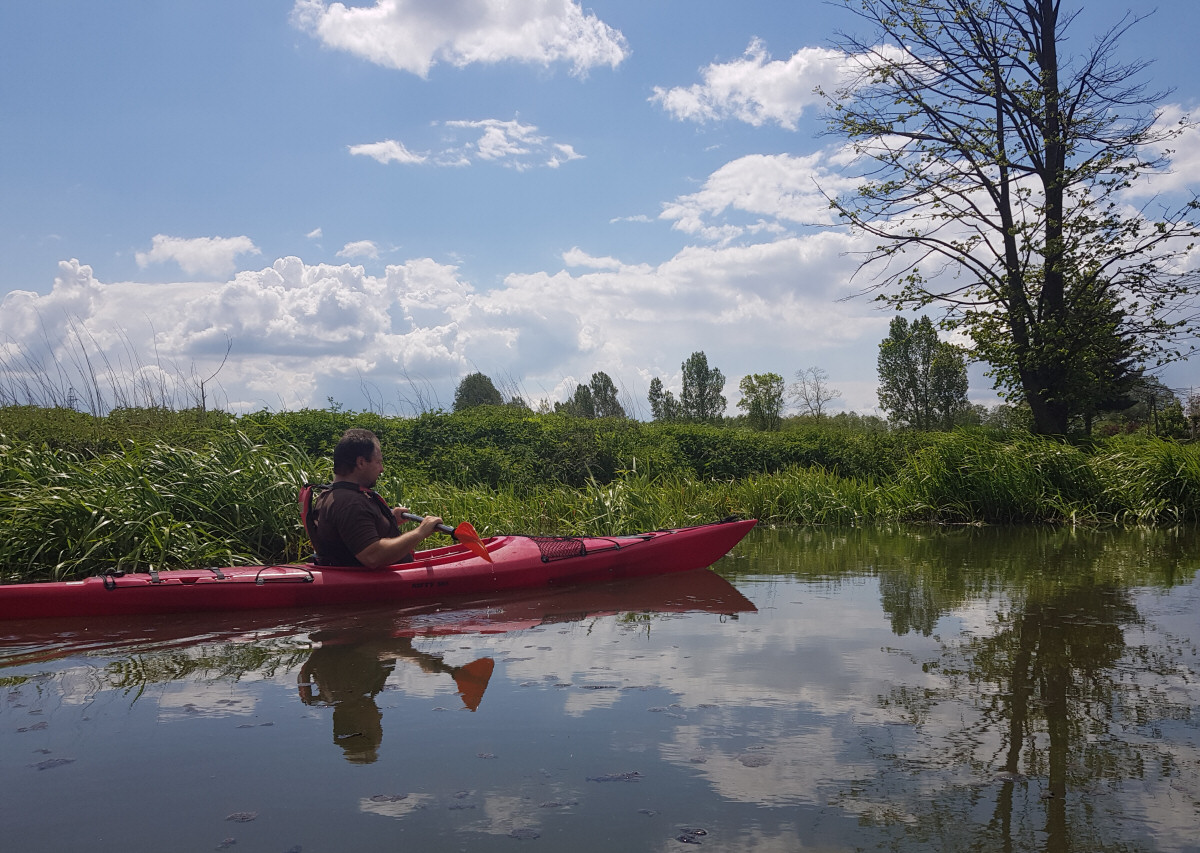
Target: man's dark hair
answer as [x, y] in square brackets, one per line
[353, 444]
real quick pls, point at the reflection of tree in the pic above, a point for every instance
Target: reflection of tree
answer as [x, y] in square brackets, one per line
[1022, 725]
[223, 661]
[1049, 702]
[927, 572]
[1048, 666]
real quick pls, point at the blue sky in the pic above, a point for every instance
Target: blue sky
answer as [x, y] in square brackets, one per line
[369, 202]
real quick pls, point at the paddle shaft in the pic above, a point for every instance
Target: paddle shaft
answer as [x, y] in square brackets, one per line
[442, 528]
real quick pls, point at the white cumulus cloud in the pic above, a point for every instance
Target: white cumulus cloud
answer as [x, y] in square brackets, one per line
[359, 249]
[215, 256]
[757, 89]
[415, 35]
[767, 192]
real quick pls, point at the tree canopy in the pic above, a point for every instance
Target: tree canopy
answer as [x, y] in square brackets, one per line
[762, 398]
[701, 399]
[476, 389]
[922, 380]
[1001, 180]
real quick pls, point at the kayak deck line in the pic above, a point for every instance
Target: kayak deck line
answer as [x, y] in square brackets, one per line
[516, 562]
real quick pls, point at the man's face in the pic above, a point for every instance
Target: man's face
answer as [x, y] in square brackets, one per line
[369, 470]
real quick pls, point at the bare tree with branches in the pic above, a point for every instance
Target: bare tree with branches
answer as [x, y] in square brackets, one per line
[811, 391]
[999, 188]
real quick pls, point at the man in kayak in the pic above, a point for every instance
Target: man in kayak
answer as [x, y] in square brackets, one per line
[354, 525]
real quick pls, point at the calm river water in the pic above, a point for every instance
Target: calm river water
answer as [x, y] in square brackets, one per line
[973, 689]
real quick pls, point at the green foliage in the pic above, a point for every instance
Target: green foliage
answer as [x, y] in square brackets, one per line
[663, 405]
[762, 398]
[701, 399]
[148, 505]
[922, 380]
[581, 405]
[604, 396]
[226, 496]
[476, 389]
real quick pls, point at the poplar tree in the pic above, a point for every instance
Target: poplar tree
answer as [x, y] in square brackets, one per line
[922, 380]
[701, 399]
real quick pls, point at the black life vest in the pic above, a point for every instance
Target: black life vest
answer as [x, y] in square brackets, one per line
[309, 512]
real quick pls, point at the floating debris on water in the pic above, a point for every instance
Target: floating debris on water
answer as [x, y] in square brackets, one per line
[388, 798]
[242, 817]
[524, 832]
[226, 843]
[754, 759]
[558, 804]
[51, 763]
[632, 776]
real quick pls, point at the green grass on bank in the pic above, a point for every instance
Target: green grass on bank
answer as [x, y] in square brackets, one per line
[165, 489]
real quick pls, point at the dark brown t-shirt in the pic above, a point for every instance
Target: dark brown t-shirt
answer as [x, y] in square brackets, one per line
[348, 520]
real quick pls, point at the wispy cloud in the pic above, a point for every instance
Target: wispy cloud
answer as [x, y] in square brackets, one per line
[387, 151]
[503, 142]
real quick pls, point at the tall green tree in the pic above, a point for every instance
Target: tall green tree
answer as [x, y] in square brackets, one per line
[604, 396]
[663, 405]
[701, 399]
[922, 380]
[762, 398]
[999, 188]
[476, 389]
[581, 404]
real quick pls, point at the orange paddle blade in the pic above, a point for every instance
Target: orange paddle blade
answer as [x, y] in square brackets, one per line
[466, 535]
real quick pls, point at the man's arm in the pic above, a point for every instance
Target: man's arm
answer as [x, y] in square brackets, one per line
[385, 552]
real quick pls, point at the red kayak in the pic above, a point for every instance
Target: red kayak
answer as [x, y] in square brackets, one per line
[517, 562]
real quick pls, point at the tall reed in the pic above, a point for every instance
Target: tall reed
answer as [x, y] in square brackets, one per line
[148, 506]
[230, 498]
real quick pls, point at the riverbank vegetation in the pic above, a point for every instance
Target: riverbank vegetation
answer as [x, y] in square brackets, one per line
[153, 487]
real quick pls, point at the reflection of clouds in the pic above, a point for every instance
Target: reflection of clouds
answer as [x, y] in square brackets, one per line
[803, 768]
[199, 699]
[393, 805]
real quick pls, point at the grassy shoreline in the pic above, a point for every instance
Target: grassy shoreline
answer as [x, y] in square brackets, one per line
[132, 493]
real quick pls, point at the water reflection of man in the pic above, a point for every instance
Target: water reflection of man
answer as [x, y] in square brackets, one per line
[346, 675]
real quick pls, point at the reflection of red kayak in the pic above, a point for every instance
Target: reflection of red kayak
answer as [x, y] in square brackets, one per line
[697, 591]
[518, 562]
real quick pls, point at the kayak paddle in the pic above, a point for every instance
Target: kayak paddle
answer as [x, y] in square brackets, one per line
[464, 534]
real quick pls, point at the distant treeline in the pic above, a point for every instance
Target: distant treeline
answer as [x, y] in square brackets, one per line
[492, 445]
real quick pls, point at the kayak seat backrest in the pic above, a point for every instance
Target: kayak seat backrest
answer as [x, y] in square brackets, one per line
[308, 513]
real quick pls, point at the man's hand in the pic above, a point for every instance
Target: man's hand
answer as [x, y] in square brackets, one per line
[386, 552]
